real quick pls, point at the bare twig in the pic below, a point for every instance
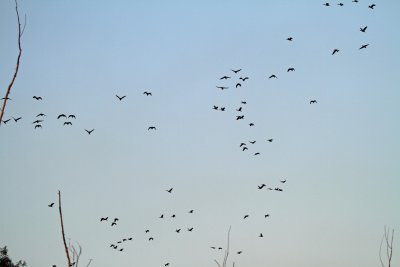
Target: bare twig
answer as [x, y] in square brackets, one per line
[20, 33]
[226, 252]
[388, 239]
[62, 229]
[90, 260]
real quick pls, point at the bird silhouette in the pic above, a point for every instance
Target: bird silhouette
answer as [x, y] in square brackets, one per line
[119, 242]
[61, 116]
[326, 4]
[224, 78]
[116, 219]
[236, 71]
[6, 98]
[124, 239]
[17, 119]
[243, 102]
[246, 216]
[51, 205]
[178, 230]
[215, 107]
[252, 142]
[222, 87]
[162, 216]
[5, 122]
[261, 235]
[261, 186]
[151, 238]
[190, 229]
[289, 39]
[283, 181]
[240, 117]
[147, 231]
[363, 29]
[251, 124]
[67, 123]
[270, 140]
[173, 216]
[244, 78]
[38, 126]
[372, 6]
[212, 247]
[114, 223]
[169, 190]
[335, 51]
[103, 219]
[40, 115]
[147, 93]
[72, 116]
[89, 132]
[290, 69]
[363, 46]
[242, 144]
[340, 4]
[130, 238]
[151, 128]
[37, 121]
[273, 76]
[121, 249]
[257, 153]
[313, 101]
[278, 189]
[167, 264]
[239, 252]
[238, 85]
[120, 97]
[219, 248]
[239, 109]
[244, 148]
[355, 1]
[222, 109]
[266, 215]
[191, 211]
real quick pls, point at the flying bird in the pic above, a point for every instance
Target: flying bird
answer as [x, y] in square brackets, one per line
[239, 252]
[151, 238]
[363, 46]
[242, 144]
[243, 102]
[37, 121]
[41, 115]
[252, 142]
[222, 108]
[61, 116]
[245, 216]
[38, 126]
[222, 87]
[114, 223]
[215, 107]
[120, 97]
[313, 101]
[340, 4]
[257, 153]
[37, 97]
[167, 264]
[151, 128]
[273, 76]
[270, 140]
[283, 181]
[124, 239]
[173, 216]
[289, 39]
[266, 215]
[244, 79]
[130, 238]
[372, 6]
[363, 29]
[251, 124]
[190, 229]
[290, 69]
[162, 216]
[261, 186]
[236, 71]
[178, 230]
[103, 219]
[191, 211]
[5, 122]
[6, 98]
[147, 231]
[261, 235]
[335, 51]
[240, 117]
[51, 205]
[89, 132]
[67, 123]
[17, 119]
[239, 109]
[244, 148]
[116, 219]
[238, 85]
[355, 1]
[147, 93]
[224, 78]
[326, 4]
[121, 249]
[72, 116]
[169, 190]
[212, 247]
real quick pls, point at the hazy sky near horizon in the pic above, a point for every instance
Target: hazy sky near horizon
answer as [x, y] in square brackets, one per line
[340, 157]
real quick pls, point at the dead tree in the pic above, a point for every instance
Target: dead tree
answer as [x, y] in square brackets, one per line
[387, 241]
[20, 33]
[62, 229]
[226, 253]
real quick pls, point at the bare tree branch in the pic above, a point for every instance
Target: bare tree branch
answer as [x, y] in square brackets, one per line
[90, 260]
[388, 239]
[62, 229]
[20, 33]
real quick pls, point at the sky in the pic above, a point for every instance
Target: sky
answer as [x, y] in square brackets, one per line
[339, 156]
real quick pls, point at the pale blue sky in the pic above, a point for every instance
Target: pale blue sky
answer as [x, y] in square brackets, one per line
[340, 156]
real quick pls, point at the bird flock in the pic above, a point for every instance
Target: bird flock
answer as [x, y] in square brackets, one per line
[234, 80]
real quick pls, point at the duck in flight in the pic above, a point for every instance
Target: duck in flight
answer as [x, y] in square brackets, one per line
[38, 126]
[313, 101]
[61, 116]
[17, 119]
[261, 186]
[147, 93]
[103, 219]
[273, 76]
[222, 87]
[372, 6]
[236, 71]
[244, 79]
[151, 128]
[363, 46]
[290, 69]
[41, 115]
[89, 132]
[225, 78]
[169, 190]
[51, 205]
[335, 51]
[289, 39]
[37, 97]
[67, 123]
[363, 29]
